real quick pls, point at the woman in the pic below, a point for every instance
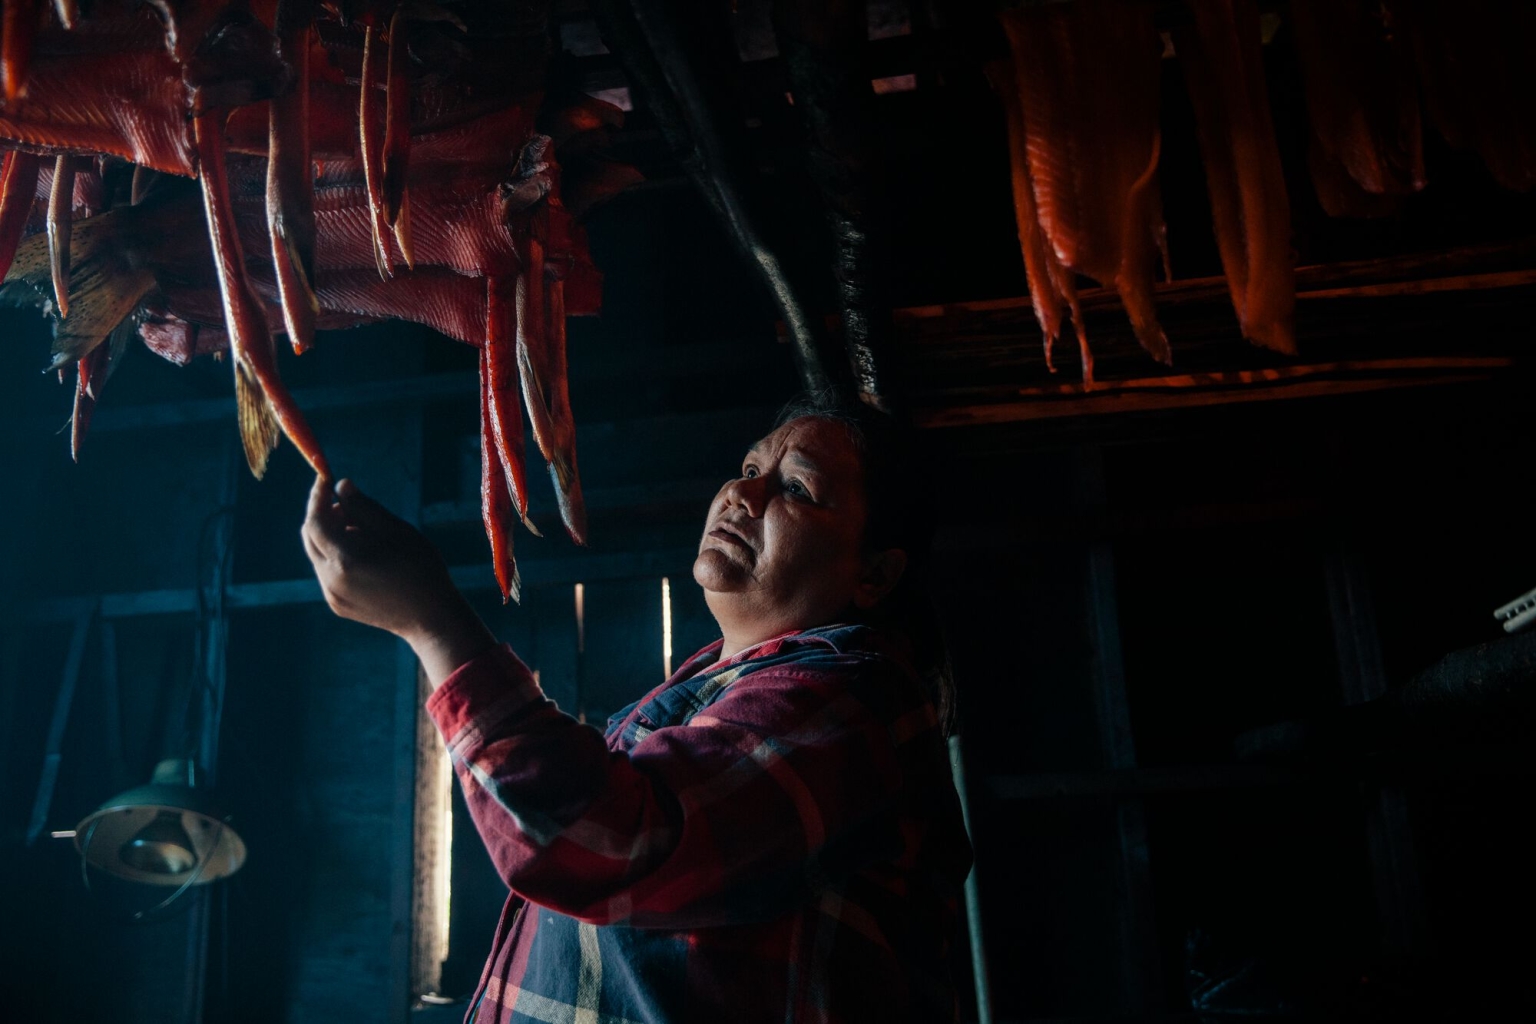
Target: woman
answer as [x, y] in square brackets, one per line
[772, 834]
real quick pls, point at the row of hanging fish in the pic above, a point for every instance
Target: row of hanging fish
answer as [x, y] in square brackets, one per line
[1080, 97]
[206, 173]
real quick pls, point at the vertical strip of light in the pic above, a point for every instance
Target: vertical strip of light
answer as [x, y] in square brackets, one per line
[580, 709]
[445, 862]
[666, 627]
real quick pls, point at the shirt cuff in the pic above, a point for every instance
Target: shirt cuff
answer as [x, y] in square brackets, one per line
[480, 695]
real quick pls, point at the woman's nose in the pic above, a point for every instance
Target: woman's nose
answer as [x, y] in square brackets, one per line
[747, 493]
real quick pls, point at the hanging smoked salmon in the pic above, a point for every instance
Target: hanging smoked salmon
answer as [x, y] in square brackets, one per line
[1082, 110]
[1224, 69]
[352, 161]
[1367, 143]
[1479, 80]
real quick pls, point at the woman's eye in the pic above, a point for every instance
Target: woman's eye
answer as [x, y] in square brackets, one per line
[797, 488]
[750, 472]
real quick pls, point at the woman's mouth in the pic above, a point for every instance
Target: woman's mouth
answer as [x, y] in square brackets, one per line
[727, 534]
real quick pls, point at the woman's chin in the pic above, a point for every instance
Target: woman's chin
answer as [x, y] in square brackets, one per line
[717, 572]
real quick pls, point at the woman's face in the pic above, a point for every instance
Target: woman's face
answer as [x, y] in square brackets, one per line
[782, 546]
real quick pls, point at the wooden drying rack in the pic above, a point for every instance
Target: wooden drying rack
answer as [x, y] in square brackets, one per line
[981, 362]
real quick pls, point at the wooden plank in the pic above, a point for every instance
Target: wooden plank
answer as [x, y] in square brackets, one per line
[1461, 283]
[1410, 274]
[1154, 394]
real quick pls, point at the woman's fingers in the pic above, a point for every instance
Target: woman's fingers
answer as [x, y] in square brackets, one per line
[324, 525]
[373, 566]
[362, 512]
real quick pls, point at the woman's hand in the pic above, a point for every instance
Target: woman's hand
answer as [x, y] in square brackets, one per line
[377, 569]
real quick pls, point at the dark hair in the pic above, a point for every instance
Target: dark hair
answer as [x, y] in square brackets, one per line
[898, 515]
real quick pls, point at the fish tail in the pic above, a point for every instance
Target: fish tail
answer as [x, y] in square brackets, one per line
[1134, 279]
[1249, 205]
[104, 284]
[258, 420]
[369, 140]
[91, 377]
[60, 221]
[403, 232]
[397, 122]
[299, 303]
[1085, 354]
[85, 405]
[68, 12]
[502, 392]
[573, 508]
[532, 348]
[496, 506]
[250, 341]
[291, 193]
[1043, 296]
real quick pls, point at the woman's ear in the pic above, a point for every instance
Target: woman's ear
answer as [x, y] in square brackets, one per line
[882, 571]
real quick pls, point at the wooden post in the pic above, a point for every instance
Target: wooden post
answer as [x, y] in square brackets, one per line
[1136, 941]
[1394, 866]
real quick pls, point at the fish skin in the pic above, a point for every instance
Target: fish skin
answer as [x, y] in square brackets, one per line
[1473, 62]
[370, 145]
[532, 348]
[1340, 195]
[496, 506]
[1362, 99]
[1250, 207]
[449, 303]
[264, 403]
[18, 191]
[1133, 278]
[174, 340]
[132, 104]
[1087, 91]
[1047, 302]
[456, 216]
[85, 400]
[562, 467]
[61, 199]
[290, 194]
[504, 390]
[397, 122]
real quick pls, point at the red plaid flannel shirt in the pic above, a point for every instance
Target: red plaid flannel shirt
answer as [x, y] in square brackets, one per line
[773, 838]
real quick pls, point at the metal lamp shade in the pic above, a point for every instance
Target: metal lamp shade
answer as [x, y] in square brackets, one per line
[161, 833]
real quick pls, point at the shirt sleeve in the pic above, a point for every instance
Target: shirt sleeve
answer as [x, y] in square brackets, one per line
[788, 780]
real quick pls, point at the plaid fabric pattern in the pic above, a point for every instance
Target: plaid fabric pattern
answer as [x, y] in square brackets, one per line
[771, 838]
